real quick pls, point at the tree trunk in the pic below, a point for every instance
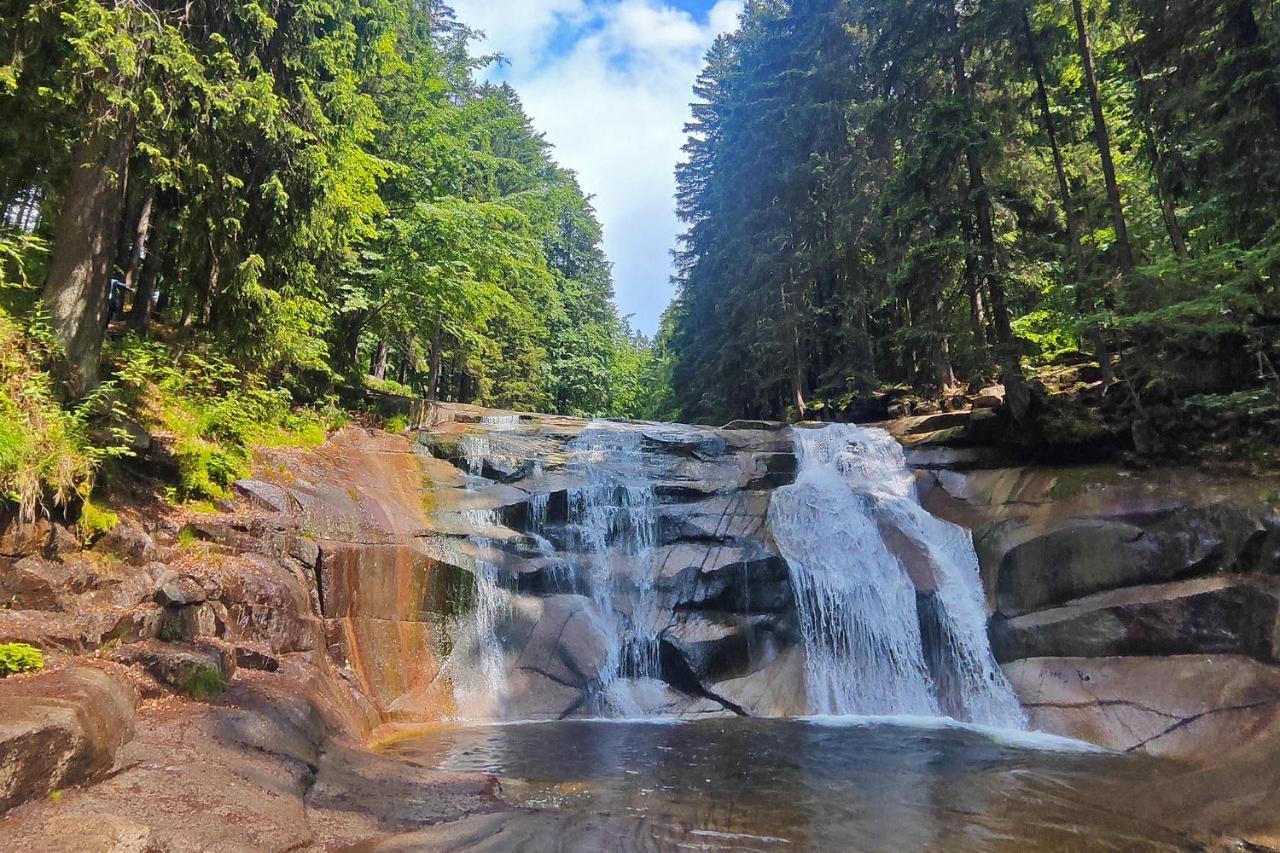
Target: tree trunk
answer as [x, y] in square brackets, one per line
[379, 367]
[1017, 394]
[141, 232]
[1124, 250]
[1064, 191]
[149, 277]
[437, 353]
[75, 291]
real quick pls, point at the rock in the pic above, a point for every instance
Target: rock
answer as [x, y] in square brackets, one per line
[248, 658]
[1196, 708]
[34, 583]
[196, 621]
[143, 622]
[96, 833]
[183, 668]
[991, 397]
[19, 539]
[305, 551]
[1216, 615]
[181, 591]
[60, 729]
[1085, 556]
[128, 541]
[745, 424]
[263, 495]
[63, 542]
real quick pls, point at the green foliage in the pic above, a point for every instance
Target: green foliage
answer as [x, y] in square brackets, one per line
[211, 413]
[396, 424]
[48, 454]
[203, 683]
[19, 657]
[861, 214]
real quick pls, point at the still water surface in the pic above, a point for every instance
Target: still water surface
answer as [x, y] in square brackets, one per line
[818, 784]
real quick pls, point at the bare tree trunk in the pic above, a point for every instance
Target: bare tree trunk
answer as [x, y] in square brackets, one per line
[1103, 138]
[149, 277]
[141, 232]
[437, 354]
[379, 370]
[75, 291]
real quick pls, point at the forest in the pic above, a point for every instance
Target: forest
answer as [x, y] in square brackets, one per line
[933, 194]
[215, 213]
[319, 188]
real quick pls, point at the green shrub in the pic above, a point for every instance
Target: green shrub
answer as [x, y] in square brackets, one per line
[19, 657]
[204, 682]
[396, 424]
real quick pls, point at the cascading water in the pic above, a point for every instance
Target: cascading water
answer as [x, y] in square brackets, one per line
[614, 512]
[889, 598]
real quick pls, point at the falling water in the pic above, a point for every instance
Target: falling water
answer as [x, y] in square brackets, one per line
[615, 513]
[889, 597]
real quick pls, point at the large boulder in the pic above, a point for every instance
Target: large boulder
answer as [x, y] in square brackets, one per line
[1087, 555]
[60, 729]
[1217, 615]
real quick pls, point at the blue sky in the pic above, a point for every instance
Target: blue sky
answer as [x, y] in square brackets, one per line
[609, 83]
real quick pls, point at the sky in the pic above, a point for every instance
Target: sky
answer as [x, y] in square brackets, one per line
[609, 82]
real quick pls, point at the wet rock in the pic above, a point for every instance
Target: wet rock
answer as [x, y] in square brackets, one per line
[128, 541]
[263, 495]
[1192, 707]
[686, 441]
[1217, 615]
[747, 424]
[60, 729]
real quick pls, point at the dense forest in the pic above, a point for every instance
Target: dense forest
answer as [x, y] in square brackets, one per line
[318, 188]
[935, 194]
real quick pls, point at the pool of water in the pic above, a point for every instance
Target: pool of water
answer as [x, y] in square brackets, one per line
[825, 784]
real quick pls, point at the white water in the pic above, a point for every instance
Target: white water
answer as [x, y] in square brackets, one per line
[854, 535]
[615, 512]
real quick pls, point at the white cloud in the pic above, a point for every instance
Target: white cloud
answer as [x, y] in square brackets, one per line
[609, 82]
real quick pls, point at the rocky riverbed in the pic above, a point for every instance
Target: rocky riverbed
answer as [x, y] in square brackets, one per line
[339, 600]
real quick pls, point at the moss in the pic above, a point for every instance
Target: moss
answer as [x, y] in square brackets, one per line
[203, 683]
[19, 657]
[95, 520]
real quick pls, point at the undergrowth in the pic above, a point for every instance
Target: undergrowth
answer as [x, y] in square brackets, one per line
[48, 454]
[211, 413]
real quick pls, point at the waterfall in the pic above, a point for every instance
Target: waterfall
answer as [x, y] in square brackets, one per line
[615, 514]
[889, 598]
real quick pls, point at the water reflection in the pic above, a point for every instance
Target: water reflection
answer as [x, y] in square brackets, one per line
[806, 785]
